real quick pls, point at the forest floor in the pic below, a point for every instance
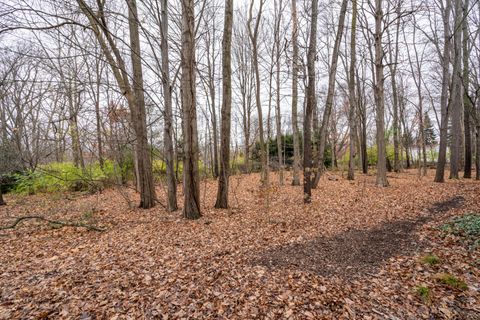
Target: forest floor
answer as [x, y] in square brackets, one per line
[356, 252]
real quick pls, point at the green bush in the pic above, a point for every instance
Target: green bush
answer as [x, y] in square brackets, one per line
[65, 176]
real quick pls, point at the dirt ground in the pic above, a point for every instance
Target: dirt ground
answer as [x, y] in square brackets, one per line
[353, 253]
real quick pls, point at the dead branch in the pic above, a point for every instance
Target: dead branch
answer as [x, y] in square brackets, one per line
[57, 222]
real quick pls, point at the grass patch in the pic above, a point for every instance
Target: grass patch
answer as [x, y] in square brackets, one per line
[430, 259]
[424, 293]
[451, 281]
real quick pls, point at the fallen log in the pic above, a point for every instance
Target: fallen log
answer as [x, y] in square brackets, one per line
[57, 222]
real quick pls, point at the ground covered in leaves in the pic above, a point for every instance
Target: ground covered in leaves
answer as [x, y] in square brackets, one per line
[356, 252]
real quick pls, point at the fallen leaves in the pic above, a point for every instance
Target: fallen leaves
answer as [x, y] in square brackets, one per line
[153, 264]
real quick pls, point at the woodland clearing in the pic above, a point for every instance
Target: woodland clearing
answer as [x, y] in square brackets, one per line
[356, 252]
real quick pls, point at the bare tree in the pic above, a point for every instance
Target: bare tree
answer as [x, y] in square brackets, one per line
[132, 90]
[253, 34]
[168, 114]
[456, 99]
[380, 98]
[467, 173]
[191, 206]
[351, 94]
[330, 93]
[295, 68]
[279, 9]
[444, 102]
[311, 104]
[223, 179]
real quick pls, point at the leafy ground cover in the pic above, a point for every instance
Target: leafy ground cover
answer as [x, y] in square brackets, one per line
[356, 252]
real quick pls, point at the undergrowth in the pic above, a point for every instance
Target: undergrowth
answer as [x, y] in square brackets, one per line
[467, 227]
[56, 177]
[451, 281]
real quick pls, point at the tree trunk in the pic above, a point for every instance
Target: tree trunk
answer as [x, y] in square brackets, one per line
[457, 105]
[351, 92]
[444, 101]
[379, 98]
[362, 114]
[73, 105]
[191, 207]
[295, 62]
[467, 173]
[311, 104]
[117, 64]
[2, 202]
[168, 113]
[278, 118]
[223, 179]
[145, 175]
[393, 74]
[253, 34]
[330, 93]
[477, 155]
[97, 115]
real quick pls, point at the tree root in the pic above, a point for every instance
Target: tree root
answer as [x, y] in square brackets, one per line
[57, 222]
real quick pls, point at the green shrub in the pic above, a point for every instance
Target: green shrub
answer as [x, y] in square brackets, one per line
[65, 176]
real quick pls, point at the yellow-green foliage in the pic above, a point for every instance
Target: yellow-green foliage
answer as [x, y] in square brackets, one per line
[160, 168]
[65, 176]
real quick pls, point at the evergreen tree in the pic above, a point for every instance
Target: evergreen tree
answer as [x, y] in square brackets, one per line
[429, 131]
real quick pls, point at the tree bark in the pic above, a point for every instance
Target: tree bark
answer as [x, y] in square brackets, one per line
[191, 207]
[223, 179]
[168, 113]
[467, 172]
[444, 101]
[295, 67]
[253, 34]
[393, 74]
[278, 118]
[311, 104]
[381, 180]
[351, 92]
[145, 175]
[98, 119]
[457, 105]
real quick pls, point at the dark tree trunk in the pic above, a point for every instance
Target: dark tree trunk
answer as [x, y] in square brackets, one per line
[457, 105]
[466, 100]
[295, 62]
[381, 180]
[223, 179]
[352, 99]
[311, 104]
[144, 163]
[191, 206]
[2, 202]
[168, 119]
[444, 101]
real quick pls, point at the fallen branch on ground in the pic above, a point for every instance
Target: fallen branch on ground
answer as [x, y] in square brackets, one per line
[57, 222]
